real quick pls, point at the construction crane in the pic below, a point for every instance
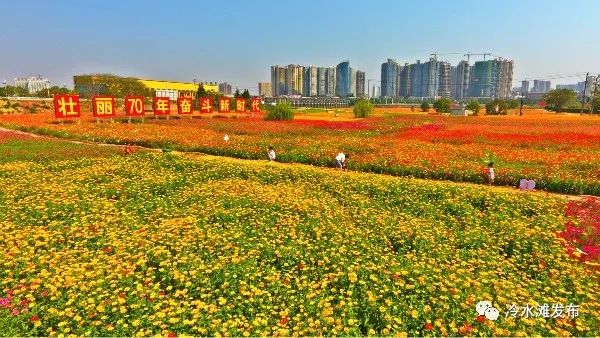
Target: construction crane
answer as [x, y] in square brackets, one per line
[468, 55]
[435, 54]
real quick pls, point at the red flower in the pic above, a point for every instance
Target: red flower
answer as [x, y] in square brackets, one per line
[24, 302]
[122, 295]
[172, 335]
[34, 318]
[161, 293]
[466, 328]
[481, 319]
[428, 326]
[284, 320]
[44, 293]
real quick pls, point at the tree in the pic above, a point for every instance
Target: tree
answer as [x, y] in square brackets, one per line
[13, 91]
[281, 111]
[362, 108]
[474, 106]
[109, 84]
[496, 107]
[596, 102]
[558, 98]
[246, 94]
[425, 106]
[201, 91]
[237, 93]
[443, 105]
[52, 91]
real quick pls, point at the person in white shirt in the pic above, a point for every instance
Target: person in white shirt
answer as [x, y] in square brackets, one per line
[489, 173]
[340, 160]
[271, 154]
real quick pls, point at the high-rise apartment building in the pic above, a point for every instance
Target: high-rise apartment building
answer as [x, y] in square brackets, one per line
[481, 79]
[444, 79]
[330, 81]
[225, 88]
[33, 84]
[390, 78]
[541, 86]
[524, 87]
[321, 81]
[416, 70]
[360, 83]
[310, 81]
[492, 78]
[294, 79]
[425, 78]
[343, 77]
[352, 88]
[278, 81]
[502, 78]
[264, 89]
[461, 80]
[405, 88]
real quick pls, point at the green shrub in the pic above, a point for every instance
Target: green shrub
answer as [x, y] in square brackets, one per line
[474, 106]
[425, 106]
[443, 105]
[496, 107]
[362, 108]
[279, 112]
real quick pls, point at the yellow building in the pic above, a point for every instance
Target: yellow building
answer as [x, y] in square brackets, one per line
[173, 90]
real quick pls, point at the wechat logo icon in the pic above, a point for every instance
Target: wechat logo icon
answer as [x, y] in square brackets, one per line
[485, 309]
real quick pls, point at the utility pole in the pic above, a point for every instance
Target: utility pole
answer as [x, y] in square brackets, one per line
[521, 109]
[584, 90]
[594, 92]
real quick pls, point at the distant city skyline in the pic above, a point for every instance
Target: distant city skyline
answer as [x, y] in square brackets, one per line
[60, 39]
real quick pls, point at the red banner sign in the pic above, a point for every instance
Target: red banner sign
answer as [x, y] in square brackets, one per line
[224, 105]
[255, 105]
[185, 105]
[66, 106]
[240, 105]
[161, 106]
[103, 106]
[205, 104]
[134, 106]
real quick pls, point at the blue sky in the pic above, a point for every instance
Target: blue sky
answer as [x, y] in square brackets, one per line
[237, 41]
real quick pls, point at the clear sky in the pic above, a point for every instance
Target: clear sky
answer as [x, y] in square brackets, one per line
[237, 41]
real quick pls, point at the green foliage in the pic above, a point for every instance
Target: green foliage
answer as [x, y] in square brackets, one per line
[474, 106]
[13, 91]
[52, 91]
[237, 93]
[107, 84]
[496, 107]
[279, 112]
[246, 94]
[201, 91]
[362, 108]
[443, 105]
[425, 106]
[558, 98]
[512, 104]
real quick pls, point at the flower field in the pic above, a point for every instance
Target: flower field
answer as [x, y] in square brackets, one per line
[562, 153]
[198, 245]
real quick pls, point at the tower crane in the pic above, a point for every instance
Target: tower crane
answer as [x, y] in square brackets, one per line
[468, 55]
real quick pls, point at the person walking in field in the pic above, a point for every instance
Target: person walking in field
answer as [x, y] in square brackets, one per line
[340, 160]
[489, 173]
[271, 154]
